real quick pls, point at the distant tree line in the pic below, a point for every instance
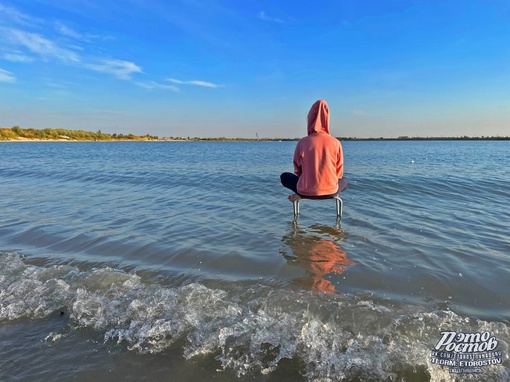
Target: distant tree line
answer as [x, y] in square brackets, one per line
[408, 138]
[17, 132]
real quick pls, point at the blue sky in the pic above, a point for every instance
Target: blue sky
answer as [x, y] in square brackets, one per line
[231, 68]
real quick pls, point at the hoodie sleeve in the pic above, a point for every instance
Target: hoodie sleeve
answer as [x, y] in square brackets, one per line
[340, 163]
[297, 161]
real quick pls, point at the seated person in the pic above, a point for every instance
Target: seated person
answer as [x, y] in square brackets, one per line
[318, 160]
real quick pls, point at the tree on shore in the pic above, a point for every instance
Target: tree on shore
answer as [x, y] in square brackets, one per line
[17, 132]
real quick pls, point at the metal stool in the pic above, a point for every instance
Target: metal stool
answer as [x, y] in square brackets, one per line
[339, 203]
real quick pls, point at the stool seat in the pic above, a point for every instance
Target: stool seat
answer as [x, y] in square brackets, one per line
[339, 203]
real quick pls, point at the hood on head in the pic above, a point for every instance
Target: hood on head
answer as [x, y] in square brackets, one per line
[318, 118]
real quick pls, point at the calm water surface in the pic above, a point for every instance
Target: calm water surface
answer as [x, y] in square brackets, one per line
[180, 261]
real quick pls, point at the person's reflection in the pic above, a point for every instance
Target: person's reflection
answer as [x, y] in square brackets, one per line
[317, 255]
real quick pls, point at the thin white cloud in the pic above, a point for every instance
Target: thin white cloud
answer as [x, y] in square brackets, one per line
[119, 68]
[264, 17]
[66, 31]
[20, 45]
[154, 85]
[6, 76]
[39, 45]
[12, 15]
[194, 82]
[17, 57]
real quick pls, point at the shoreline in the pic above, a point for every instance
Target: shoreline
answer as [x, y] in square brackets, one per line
[18, 134]
[22, 139]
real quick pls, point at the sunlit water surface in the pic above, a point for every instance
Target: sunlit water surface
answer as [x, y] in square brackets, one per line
[183, 261]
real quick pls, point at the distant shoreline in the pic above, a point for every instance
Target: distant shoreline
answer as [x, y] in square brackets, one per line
[17, 134]
[21, 139]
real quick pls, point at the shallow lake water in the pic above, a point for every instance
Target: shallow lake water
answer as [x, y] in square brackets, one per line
[183, 261]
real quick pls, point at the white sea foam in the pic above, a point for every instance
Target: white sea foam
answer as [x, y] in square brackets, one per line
[250, 327]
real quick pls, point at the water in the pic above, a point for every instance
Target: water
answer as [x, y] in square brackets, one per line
[180, 261]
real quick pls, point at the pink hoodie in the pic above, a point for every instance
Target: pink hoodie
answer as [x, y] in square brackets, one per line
[318, 158]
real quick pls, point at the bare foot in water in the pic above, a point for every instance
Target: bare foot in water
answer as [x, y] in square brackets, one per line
[293, 197]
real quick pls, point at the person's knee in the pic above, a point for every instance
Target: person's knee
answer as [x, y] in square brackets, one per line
[342, 184]
[286, 176]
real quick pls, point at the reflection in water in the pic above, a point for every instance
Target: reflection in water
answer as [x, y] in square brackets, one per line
[317, 251]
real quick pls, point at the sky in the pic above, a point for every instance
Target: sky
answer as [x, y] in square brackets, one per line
[230, 68]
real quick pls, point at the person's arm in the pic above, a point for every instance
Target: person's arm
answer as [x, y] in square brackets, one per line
[340, 162]
[297, 161]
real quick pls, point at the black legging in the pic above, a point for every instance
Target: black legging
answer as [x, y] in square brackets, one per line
[289, 180]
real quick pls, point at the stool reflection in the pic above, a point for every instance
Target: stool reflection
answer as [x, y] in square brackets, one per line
[318, 253]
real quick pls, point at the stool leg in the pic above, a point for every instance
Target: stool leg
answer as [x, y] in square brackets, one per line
[339, 207]
[295, 204]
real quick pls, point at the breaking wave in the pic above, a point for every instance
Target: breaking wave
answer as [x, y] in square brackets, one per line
[250, 327]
